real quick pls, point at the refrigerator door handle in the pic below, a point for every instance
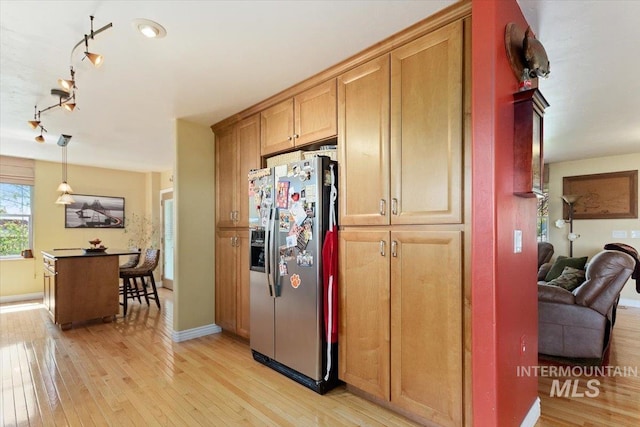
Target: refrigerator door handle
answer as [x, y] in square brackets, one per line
[273, 258]
[267, 252]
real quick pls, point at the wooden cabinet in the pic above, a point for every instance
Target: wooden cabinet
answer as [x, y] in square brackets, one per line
[426, 324]
[414, 174]
[232, 281]
[49, 279]
[401, 318]
[80, 288]
[363, 141]
[307, 117]
[400, 136]
[237, 151]
[364, 331]
[528, 159]
[426, 128]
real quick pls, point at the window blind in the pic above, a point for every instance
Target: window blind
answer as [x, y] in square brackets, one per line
[17, 170]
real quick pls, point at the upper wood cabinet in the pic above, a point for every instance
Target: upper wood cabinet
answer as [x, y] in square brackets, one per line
[363, 141]
[307, 117]
[426, 128]
[401, 154]
[237, 151]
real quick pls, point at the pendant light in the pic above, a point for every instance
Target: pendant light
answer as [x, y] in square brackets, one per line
[65, 198]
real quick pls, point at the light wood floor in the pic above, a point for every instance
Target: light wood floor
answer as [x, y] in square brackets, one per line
[617, 403]
[131, 373]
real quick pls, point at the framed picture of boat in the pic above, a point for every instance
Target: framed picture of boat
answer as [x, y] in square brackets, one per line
[94, 212]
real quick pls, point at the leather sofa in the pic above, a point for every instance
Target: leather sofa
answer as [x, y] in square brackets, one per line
[578, 324]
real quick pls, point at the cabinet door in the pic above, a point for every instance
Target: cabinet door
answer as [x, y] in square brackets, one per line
[248, 151]
[363, 118]
[364, 310]
[242, 284]
[426, 129]
[426, 324]
[315, 114]
[225, 178]
[226, 279]
[276, 128]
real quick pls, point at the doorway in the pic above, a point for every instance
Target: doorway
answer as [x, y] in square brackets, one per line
[168, 238]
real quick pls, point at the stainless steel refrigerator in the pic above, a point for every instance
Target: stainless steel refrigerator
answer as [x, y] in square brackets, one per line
[289, 216]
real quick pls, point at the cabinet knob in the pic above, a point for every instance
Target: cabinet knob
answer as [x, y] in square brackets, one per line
[290, 138]
[383, 207]
[295, 135]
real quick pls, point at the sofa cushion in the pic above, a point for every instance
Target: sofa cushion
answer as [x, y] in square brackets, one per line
[562, 262]
[570, 279]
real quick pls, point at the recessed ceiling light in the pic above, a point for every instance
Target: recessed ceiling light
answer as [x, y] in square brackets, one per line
[149, 29]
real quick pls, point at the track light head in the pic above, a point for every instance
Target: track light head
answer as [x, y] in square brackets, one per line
[40, 139]
[69, 106]
[66, 84]
[95, 59]
[34, 123]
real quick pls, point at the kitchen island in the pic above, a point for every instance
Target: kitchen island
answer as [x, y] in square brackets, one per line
[80, 285]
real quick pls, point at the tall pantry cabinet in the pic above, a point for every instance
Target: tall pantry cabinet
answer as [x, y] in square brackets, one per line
[400, 121]
[237, 151]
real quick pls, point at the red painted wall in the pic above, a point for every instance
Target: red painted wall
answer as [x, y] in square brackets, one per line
[504, 290]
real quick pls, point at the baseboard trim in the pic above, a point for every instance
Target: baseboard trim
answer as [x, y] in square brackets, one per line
[201, 331]
[533, 415]
[23, 297]
[629, 302]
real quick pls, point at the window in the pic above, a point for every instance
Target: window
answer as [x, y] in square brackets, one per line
[543, 217]
[15, 219]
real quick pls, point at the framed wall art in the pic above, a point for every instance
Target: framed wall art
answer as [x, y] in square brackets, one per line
[611, 195]
[94, 212]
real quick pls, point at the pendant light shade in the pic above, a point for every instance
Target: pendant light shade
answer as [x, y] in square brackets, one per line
[66, 84]
[95, 59]
[64, 187]
[65, 199]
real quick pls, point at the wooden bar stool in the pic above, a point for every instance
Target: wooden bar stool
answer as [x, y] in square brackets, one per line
[147, 286]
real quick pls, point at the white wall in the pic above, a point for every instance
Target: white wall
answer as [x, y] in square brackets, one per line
[594, 233]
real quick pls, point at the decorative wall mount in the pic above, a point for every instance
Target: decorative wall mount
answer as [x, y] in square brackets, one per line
[526, 54]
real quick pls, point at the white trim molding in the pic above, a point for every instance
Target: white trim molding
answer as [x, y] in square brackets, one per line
[533, 414]
[23, 297]
[628, 302]
[201, 331]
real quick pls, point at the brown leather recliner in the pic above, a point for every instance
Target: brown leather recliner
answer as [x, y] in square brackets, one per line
[578, 324]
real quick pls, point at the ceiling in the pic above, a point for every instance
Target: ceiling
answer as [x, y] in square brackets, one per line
[220, 57]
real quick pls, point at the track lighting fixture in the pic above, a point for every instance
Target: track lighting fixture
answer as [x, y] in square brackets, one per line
[65, 198]
[95, 58]
[40, 138]
[67, 95]
[36, 118]
[68, 85]
[70, 106]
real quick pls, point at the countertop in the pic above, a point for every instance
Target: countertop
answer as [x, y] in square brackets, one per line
[73, 253]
